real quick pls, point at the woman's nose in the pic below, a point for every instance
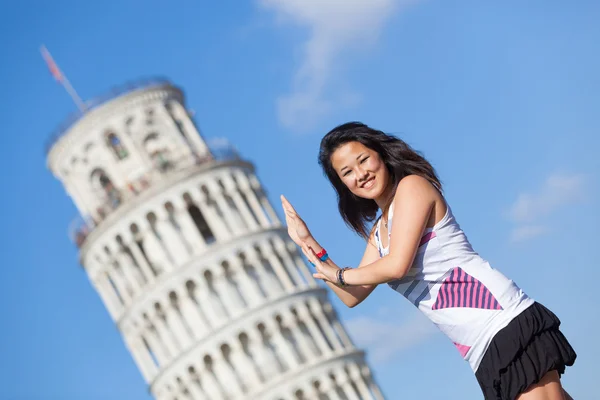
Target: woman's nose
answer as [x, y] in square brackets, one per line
[362, 174]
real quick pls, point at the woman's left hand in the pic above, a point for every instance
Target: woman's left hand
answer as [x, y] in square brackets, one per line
[324, 270]
[297, 229]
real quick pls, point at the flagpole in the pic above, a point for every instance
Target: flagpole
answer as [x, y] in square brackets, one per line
[80, 104]
[62, 78]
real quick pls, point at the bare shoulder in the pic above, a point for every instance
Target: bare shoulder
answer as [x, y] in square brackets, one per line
[419, 192]
[416, 184]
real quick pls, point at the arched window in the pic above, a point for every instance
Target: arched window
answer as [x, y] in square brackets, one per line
[102, 183]
[113, 141]
[158, 151]
[201, 223]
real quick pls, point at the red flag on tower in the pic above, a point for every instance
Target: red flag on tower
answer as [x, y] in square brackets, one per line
[54, 70]
[61, 78]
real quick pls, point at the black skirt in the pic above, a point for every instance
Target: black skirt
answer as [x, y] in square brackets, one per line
[522, 353]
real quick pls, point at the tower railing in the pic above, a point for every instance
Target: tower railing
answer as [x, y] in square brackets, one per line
[95, 102]
[115, 197]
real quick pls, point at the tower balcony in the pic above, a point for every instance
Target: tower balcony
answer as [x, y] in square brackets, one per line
[99, 102]
[164, 168]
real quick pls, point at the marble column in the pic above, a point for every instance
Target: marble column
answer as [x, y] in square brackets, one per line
[329, 388]
[325, 325]
[358, 379]
[339, 328]
[366, 372]
[313, 392]
[231, 374]
[262, 197]
[156, 344]
[237, 214]
[301, 265]
[212, 386]
[303, 330]
[154, 248]
[225, 292]
[281, 249]
[176, 325]
[141, 261]
[125, 263]
[252, 294]
[116, 277]
[175, 248]
[141, 356]
[237, 280]
[249, 376]
[246, 188]
[345, 384]
[178, 139]
[269, 362]
[217, 227]
[227, 213]
[232, 190]
[205, 302]
[191, 314]
[194, 388]
[304, 349]
[317, 335]
[189, 233]
[107, 294]
[281, 344]
[278, 267]
[166, 336]
[191, 133]
[257, 273]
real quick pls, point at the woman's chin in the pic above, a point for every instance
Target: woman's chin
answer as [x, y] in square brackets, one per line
[370, 194]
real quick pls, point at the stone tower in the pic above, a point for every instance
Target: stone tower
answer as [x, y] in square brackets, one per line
[212, 299]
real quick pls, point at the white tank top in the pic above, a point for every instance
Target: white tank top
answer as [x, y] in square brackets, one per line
[456, 289]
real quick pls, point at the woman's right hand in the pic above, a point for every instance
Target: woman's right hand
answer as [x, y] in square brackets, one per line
[297, 229]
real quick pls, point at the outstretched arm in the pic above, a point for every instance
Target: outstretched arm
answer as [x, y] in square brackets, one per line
[299, 233]
[350, 295]
[414, 201]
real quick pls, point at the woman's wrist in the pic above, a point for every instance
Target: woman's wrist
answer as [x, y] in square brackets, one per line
[311, 242]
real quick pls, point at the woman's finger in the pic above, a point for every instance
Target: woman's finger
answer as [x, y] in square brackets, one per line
[293, 216]
[306, 252]
[287, 205]
[310, 254]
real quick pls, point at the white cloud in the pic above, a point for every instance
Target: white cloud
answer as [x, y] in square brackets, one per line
[556, 191]
[531, 208]
[522, 233]
[334, 27]
[384, 339]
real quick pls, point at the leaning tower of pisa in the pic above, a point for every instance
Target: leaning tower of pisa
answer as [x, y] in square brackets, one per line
[212, 299]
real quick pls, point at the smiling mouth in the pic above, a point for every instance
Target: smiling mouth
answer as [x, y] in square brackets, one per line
[368, 184]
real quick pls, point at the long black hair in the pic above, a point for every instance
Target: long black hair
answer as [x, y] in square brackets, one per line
[399, 158]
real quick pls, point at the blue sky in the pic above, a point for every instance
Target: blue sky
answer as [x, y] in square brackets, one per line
[501, 97]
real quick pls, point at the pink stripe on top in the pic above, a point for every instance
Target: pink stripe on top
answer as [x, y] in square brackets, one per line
[427, 237]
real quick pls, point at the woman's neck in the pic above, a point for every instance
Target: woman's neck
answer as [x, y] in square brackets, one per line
[385, 201]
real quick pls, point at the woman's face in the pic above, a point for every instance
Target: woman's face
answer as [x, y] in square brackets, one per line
[361, 170]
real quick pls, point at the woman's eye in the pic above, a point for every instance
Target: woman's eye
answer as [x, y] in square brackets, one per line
[364, 159]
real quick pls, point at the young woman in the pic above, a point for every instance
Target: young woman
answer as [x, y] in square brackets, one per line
[512, 343]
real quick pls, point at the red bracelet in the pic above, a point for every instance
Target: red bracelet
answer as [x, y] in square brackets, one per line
[321, 253]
